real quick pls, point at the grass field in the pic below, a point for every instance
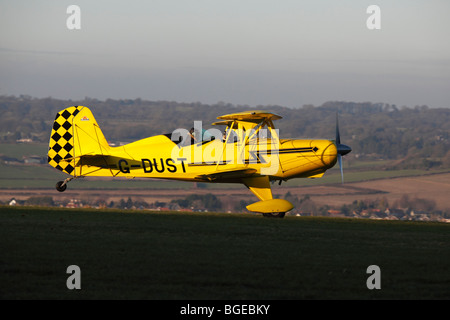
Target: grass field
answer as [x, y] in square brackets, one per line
[137, 255]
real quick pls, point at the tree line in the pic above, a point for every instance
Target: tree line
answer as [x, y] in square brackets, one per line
[418, 137]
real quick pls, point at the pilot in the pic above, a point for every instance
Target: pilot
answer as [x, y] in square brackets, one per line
[196, 136]
[192, 135]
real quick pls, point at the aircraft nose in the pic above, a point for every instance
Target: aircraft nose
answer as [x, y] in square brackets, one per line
[329, 154]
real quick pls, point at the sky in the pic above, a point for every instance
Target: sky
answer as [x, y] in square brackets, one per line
[247, 52]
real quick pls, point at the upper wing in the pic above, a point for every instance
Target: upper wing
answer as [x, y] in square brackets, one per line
[248, 120]
[253, 116]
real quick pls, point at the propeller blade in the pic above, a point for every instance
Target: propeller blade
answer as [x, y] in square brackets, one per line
[338, 136]
[342, 149]
[340, 166]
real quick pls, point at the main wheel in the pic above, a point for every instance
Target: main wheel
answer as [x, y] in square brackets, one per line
[274, 214]
[61, 186]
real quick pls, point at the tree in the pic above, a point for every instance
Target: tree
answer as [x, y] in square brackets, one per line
[44, 201]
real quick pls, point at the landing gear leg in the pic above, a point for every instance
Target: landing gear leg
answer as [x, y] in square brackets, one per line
[61, 186]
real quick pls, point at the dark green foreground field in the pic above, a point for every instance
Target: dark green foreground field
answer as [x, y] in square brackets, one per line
[135, 255]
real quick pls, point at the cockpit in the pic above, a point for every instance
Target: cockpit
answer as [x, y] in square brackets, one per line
[183, 137]
[248, 127]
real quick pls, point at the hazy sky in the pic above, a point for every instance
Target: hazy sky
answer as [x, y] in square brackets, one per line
[284, 52]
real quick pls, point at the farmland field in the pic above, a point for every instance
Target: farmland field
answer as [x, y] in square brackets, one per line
[435, 187]
[137, 255]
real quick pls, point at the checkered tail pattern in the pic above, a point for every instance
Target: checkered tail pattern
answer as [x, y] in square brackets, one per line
[61, 153]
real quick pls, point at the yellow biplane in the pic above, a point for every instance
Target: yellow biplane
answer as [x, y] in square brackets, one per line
[248, 151]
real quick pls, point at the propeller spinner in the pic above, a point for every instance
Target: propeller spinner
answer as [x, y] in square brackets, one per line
[342, 149]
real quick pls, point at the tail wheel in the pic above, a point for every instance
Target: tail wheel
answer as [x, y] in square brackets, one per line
[61, 186]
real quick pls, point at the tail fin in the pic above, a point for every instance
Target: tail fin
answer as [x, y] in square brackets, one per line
[75, 133]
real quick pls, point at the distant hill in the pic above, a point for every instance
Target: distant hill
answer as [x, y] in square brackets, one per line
[416, 137]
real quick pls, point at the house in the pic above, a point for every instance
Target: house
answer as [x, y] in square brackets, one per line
[336, 214]
[398, 213]
[33, 160]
